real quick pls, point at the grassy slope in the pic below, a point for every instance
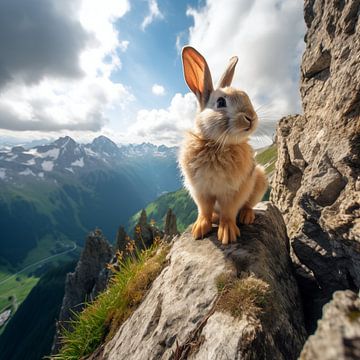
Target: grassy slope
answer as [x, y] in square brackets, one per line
[30, 332]
[40, 197]
[268, 158]
[18, 287]
[184, 207]
[100, 320]
[179, 201]
[37, 207]
[65, 210]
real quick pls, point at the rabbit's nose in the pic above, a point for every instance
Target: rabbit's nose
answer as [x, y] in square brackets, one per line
[243, 121]
[244, 117]
[248, 118]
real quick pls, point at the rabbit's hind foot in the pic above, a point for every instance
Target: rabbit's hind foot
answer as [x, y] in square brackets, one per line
[246, 216]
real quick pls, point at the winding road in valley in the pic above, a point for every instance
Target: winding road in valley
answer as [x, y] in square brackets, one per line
[38, 263]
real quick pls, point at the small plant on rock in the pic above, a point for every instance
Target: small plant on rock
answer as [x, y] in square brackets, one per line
[132, 276]
[244, 296]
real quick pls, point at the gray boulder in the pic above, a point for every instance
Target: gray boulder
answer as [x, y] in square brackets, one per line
[338, 334]
[215, 302]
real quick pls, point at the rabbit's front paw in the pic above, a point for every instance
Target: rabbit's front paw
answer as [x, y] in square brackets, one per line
[247, 216]
[228, 231]
[201, 227]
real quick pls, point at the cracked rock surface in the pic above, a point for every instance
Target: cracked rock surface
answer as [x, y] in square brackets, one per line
[317, 179]
[338, 333]
[85, 282]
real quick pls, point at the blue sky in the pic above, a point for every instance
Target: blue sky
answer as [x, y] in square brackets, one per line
[153, 52]
[85, 68]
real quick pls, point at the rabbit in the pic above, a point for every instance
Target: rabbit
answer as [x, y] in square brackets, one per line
[215, 159]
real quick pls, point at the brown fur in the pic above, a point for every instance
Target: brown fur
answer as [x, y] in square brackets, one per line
[216, 160]
[228, 177]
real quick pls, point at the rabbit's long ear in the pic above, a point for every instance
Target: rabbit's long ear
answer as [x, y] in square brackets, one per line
[197, 74]
[228, 75]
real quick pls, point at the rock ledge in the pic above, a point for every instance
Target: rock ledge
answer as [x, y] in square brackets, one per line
[180, 304]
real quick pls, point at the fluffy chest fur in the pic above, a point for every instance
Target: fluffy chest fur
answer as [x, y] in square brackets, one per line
[213, 170]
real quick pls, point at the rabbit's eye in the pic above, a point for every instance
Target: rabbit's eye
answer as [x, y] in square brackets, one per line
[220, 102]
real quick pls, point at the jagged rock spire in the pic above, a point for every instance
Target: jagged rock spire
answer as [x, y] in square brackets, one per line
[121, 236]
[170, 227]
[143, 217]
[79, 285]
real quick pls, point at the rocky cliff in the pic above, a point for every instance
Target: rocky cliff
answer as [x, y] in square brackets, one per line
[243, 301]
[317, 180]
[338, 334]
[86, 281]
[215, 302]
[92, 275]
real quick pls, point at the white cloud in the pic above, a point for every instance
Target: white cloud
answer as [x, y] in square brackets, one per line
[165, 126]
[98, 18]
[124, 45]
[154, 13]
[78, 103]
[158, 90]
[179, 43]
[56, 104]
[267, 36]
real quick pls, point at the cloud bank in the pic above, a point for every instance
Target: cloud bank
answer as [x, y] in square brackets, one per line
[37, 40]
[267, 36]
[165, 126]
[56, 58]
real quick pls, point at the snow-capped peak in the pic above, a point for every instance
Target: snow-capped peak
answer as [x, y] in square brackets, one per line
[102, 144]
[64, 142]
[69, 158]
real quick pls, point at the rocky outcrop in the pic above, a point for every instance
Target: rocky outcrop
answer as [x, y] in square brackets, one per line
[193, 310]
[86, 281]
[121, 239]
[338, 333]
[170, 227]
[317, 181]
[145, 233]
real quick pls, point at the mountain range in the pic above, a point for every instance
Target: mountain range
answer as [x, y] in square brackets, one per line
[52, 195]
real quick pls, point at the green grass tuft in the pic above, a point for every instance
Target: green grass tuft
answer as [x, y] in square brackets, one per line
[99, 321]
[246, 296]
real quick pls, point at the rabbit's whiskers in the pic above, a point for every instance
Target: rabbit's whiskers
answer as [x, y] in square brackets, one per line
[265, 106]
[220, 142]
